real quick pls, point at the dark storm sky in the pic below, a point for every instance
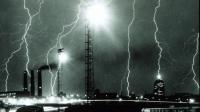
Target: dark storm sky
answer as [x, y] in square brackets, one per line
[178, 22]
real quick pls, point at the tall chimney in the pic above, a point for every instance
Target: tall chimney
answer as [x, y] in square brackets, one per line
[25, 83]
[39, 83]
[32, 83]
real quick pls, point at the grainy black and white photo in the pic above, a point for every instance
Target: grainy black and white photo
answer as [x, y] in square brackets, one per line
[99, 56]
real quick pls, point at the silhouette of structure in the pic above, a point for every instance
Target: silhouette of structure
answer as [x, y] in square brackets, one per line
[25, 83]
[23, 93]
[32, 83]
[14, 94]
[39, 82]
[89, 65]
[59, 81]
[159, 89]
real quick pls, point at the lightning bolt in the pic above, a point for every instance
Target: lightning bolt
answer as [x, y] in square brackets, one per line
[121, 85]
[129, 52]
[59, 38]
[156, 38]
[193, 62]
[23, 41]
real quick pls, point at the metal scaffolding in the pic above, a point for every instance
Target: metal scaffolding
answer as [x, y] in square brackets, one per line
[89, 64]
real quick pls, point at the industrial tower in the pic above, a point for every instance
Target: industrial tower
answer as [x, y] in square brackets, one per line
[25, 83]
[59, 75]
[89, 64]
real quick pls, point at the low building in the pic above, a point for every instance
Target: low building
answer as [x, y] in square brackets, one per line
[14, 94]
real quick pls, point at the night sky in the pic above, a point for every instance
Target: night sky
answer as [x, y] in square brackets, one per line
[178, 22]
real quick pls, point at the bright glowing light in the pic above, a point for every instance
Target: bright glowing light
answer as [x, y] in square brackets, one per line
[63, 57]
[13, 110]
[146, 110]
[129, 51]
[159, 77]
[191, 101]
[34, 101]
[61, 35]
[157, 40]
[23, 41]
[141, 97]
[47, 109]
[97, 13]
[193, 62]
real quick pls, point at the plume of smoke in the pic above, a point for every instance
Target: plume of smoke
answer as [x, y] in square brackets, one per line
[46, 67]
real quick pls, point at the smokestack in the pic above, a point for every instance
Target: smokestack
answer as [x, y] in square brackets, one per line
[25, 83]
[32, 83]
[39, 83]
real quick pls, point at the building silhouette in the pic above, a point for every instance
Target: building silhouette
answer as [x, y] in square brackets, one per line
[32, 90]
[159, 90]
[25, 82]
[39, 82]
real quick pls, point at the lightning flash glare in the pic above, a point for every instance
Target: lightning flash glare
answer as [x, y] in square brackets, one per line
[97, 14]
[159, 77]
[156, 39]
[63, 57]
[129, 52]
[193, 63]
[71, 26]
[23, 41]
